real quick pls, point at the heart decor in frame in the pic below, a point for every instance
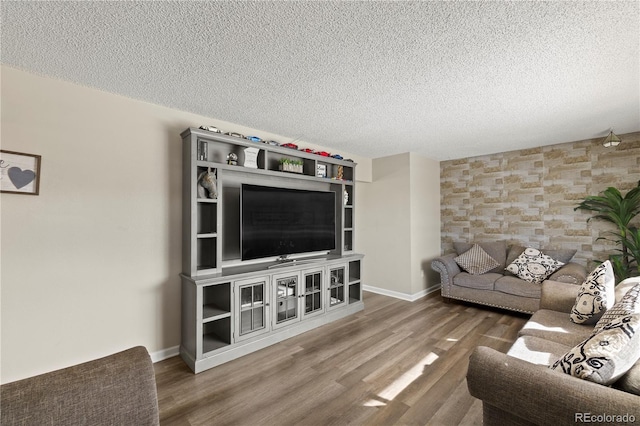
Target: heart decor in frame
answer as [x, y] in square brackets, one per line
[19, 173]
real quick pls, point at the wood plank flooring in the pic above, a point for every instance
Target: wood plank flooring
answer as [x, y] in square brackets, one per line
[396, 362]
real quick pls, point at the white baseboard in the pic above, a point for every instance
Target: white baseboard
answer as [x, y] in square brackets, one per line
[401, 296]
[165, 353]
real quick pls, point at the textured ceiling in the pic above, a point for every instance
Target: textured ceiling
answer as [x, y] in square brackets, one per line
[442, 79]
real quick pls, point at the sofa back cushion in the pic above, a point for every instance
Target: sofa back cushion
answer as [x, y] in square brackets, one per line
[562, 255]
[497, 250]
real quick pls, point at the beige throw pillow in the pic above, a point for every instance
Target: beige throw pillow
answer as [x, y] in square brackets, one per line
[476, 261]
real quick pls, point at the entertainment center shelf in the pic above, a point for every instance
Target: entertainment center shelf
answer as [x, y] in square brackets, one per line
[234, 303]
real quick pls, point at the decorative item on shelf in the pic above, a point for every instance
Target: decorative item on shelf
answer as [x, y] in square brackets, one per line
[340, 174]
[346, 197]
[235, 135]
[290, 145]
[611, 140]
[321, 170]
[274, 143]
[254, 139]
[323, 154]
[203, 149]
[337, 156]
[251, 157]
[211, 129]
[232, 159]
[308, 150]
[289, 165]
[207, 185]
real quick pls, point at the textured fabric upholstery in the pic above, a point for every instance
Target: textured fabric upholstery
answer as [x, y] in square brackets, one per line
[518, 287]
[518, 388]
[536, 350]
[497, 288]
[537, 394]
[119, 389]
[482, 282]
[556, 327]
[558, 296]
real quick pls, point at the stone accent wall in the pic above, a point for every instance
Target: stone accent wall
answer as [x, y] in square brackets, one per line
[529, 196]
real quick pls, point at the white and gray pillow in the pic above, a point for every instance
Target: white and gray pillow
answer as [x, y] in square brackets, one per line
[628, 305]
[534, 266]
[605, 356]
[596, 295]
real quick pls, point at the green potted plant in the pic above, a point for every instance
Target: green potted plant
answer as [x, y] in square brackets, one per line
[289, 165]
[610, 206]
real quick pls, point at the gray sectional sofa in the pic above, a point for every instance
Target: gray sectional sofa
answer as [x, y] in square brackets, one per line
[498, 287]
[518, 388]
[119, 389]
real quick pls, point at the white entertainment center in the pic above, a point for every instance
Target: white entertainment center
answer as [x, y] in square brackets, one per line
[230, 306]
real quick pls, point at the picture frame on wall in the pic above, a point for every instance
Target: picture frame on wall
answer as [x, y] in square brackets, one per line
[19, 173]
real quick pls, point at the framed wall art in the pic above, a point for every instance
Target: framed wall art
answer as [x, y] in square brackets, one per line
[19, 173]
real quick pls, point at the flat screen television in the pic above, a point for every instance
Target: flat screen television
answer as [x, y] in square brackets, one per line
[283, 221]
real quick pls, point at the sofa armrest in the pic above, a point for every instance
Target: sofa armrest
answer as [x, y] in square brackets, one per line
[570, 273]
[557, 296]
[448, 268]
[540, 395]
[119, 389]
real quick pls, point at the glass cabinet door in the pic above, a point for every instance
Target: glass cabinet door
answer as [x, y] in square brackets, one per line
[286, 299]
[336, 286]
[313, 300]
[252, 307]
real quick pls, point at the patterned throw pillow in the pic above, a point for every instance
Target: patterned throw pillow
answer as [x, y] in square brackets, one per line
[628, 305]
[476, 261]
[534, 266]
[607, 355]
[596, 295]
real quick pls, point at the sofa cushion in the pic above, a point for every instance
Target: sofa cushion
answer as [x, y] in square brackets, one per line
[476, 261]
[563, 255]
[518, 287]
[534, 266]
[481, 282]
[537, 351]
[628, 305]
[496, 249]
[607, 355]
[556, 327]
[596, 295]
[630, 381]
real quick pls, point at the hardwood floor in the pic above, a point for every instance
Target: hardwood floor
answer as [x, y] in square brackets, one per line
[396, 362]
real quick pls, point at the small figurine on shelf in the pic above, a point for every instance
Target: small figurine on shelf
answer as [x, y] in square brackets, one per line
[207, 183]
[232, 159]
[340, 174]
